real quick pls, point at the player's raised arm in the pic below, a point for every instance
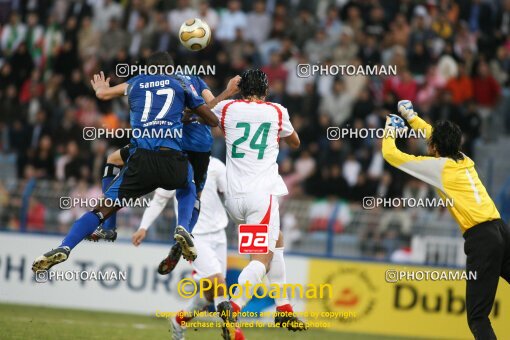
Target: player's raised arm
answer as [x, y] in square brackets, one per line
[197, 104]
[425, 168]
[211, 101]
[231, 90]
[293, 140]
[103, 90]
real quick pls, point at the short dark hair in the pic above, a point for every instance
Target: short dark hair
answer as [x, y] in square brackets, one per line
[253, 83]
[446, 138]
[160, 58]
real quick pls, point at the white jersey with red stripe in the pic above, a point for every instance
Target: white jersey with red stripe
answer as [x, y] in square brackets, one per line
[252, 132]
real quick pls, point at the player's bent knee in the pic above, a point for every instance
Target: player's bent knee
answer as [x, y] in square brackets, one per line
[115, 158]
[265, 259]
[217, 278]
[104, 211]
[216, 286]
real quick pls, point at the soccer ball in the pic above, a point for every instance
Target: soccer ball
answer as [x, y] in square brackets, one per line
[195, 34]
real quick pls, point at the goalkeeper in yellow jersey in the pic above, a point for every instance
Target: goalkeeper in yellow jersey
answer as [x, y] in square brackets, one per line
[453, 174]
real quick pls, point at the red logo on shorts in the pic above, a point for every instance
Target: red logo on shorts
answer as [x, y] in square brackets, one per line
[253, 239]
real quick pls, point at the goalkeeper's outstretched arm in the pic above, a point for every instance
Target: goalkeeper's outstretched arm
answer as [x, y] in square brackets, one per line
[425, 168]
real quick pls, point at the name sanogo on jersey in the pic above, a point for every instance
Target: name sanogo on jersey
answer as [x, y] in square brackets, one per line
[157, 103]
[252, 133]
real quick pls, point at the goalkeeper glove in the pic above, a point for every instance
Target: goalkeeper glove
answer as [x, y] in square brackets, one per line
[394, 123]
[405, 107]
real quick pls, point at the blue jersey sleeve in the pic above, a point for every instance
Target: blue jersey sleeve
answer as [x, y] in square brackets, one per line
[192, 98]
[130, 83]
[201, 85]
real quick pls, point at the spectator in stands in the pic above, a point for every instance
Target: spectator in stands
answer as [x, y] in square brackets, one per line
[346, 48]
[500, 66]
[400, 30]
[236, 50]
[331, 24]
[376, 24]
[318, 48]
[470, 124]
[13, 34]
[445, 109]
[442, 27]
[485, 87]
[419, 59]
[369, 51]
[36, 215]
[275, 71]
[486, 92]
[351, 170]
[354, 19]
[303, 27]
[88, 39]
[402, 85]
[33, 37]
[40, 128]
[338, 105]
[104, 12]
[76, 87]
[420, 31]
[10, 104]
[22, 64]
[363, 106]
[464, 40]
[43, 159]
[231, 20]
[113, 40]
[208, 15]
[259, 18]
[141, 38]
[460, 86]
[480, 17]
[177, 16]
[69, 165]
[68, 130]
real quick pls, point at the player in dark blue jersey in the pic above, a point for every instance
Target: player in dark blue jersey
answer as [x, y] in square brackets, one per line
[198, 137]
[155, 156]
[196, 142]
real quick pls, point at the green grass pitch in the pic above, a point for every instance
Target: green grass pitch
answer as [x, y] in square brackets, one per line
[32, 322]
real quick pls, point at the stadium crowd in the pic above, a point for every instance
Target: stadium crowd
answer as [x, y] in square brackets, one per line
[452, 59]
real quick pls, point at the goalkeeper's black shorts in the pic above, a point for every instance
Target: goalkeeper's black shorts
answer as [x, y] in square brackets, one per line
[487, 247]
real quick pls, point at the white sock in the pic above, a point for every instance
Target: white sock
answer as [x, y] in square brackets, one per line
[254, 273]
[277, 275]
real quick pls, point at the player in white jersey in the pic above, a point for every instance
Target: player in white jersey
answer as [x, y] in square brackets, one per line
[253, 129]
[209, 238]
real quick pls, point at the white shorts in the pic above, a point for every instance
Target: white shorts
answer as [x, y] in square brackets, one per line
[211, 254]
[257, 209]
